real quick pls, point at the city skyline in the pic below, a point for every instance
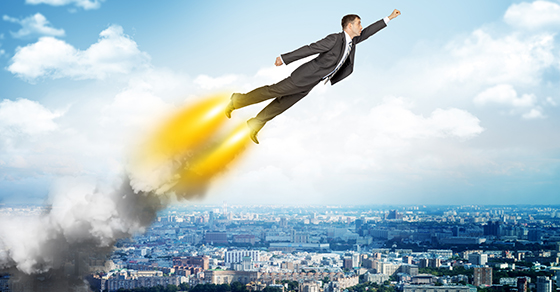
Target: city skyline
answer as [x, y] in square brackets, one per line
[462, 107]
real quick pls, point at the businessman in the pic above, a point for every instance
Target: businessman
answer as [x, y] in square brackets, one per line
[334, 63]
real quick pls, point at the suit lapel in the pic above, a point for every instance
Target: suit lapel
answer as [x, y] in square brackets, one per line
[342, 45]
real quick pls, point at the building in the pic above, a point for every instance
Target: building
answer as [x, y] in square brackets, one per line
[116, 283]
[434, 263]
[236, 256]
[389, 268]
[4, 283]
[407, 260]
[228, 276]
[299, 237]
[290, 247]
[409, 269]
[544, 284]
[376, 278]
[521, 284]
[424, 288]
[347, 263]
[478, 259]
[423, 279]
[215, 237]
[492, 228]
[444, 253]
[482, 276]
[244, 238]
[356, 260]
[310, 286]
[393, 214]
[198, 261]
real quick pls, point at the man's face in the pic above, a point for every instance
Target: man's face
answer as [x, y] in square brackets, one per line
[355, 27]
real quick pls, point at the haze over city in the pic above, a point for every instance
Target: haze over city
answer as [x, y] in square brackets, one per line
[434, 167]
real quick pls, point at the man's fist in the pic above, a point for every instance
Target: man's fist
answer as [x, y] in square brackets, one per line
[278, 61]
[394, 14]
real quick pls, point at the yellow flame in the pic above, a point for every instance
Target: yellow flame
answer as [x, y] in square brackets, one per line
[192, 147]
[226, 152]
[188, 128]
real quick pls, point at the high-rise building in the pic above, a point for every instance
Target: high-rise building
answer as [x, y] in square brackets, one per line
[359, 223]
[356, 260]
[393, 214]
[407, 260]
[423, 263]
[534, 235]
[434, 263]
[544, 284]
[521, 284]
[482, 276]
[492, 228]
[478, 259]
[347, 263]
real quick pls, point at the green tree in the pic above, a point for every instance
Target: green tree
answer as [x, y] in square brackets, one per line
[238, 287]
[271, 289]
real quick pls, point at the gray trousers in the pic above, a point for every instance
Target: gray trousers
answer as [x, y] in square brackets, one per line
[285, 94]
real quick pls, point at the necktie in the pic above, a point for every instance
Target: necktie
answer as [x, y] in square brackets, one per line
[330, 75]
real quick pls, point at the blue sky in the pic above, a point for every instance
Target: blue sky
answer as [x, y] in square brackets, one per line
[455, 102]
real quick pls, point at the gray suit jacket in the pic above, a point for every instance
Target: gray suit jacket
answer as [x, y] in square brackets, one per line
[330, 50]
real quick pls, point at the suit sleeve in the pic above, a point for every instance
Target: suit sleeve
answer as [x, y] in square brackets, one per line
[315, 48]
[370, 30]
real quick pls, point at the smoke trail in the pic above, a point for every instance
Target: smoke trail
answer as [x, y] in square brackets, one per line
[85, 220]
[53, 252]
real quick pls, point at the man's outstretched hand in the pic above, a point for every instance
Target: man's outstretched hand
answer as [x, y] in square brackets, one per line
[394, 14]
[278, 61]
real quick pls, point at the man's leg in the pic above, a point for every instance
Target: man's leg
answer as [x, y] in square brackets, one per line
[280, 105]
[274, 108]
[282, 88]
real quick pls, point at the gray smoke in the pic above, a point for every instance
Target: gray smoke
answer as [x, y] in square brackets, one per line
[55, 251]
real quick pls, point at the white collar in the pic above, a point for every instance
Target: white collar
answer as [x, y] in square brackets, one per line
[347, 37]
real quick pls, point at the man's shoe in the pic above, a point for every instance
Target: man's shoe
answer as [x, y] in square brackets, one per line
[255, 126]
[229, 107]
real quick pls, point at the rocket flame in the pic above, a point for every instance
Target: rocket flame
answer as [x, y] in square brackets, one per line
[190, 149]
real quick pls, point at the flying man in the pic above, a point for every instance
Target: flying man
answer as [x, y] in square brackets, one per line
[334, 63]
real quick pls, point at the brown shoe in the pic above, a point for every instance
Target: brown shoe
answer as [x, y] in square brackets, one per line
[229, 107]
[255, 126]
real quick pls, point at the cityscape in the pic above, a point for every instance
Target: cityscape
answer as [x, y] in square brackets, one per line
[325, 248]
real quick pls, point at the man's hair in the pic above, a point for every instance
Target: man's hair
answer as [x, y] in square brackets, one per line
[347, 19]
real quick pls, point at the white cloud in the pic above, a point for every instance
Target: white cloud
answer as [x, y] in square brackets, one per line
[395, 119]
[535, 113]
[551, 101]
[114, 53]
[2, 52]
[539, 14]
[85, 4]
[486, 60]
[207, 82]
[34, 25]
[27, 117]
[504, 94]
